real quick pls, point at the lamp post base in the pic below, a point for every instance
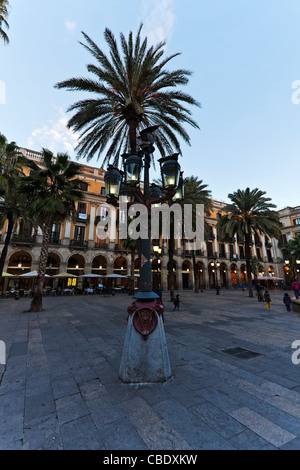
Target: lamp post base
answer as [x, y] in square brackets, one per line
[145, 357]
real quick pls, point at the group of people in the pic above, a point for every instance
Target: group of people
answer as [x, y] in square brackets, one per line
[286, 298]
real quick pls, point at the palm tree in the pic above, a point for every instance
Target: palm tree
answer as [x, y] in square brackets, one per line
[195, 192]
[13, 204]
[132, 91]
[291, 251]
[255, 266]
[249, 213]
[11, 162]
[54, 188]
[3, 20]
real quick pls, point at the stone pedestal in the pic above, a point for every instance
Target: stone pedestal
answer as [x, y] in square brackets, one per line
[145, 356]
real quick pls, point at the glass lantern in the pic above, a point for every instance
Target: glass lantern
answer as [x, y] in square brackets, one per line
[125, 192]
[170, 171]
[112, 179]
[179, 195]
[132, 167]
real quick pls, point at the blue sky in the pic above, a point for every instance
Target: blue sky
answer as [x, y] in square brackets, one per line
[244, 56]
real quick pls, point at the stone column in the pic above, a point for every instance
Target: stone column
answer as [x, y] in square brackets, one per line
[179, 277]
[92, 224]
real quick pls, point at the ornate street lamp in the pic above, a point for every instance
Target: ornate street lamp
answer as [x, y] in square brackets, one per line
[145, 336]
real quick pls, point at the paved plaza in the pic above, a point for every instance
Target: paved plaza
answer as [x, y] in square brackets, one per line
[60, 388]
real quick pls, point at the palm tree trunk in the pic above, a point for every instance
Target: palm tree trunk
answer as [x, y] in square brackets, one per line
[195, 272]
[171, 258]
[248, 263]
[10, 227]
[37, 300]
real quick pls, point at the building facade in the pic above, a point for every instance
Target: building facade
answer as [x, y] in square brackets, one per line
[76, 249]
[290, 227]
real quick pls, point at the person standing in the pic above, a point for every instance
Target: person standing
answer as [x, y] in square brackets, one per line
[296, 287]
[287, 301]
[267, 300]
[176, 302]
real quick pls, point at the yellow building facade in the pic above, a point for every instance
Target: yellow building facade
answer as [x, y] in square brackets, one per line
[76, 249]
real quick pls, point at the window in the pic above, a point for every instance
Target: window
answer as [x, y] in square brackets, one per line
[54, 237]
[83, 186]
[209, 249]
[269, 256]
[297, 221]
[79, 233]
[103, 192]
[81, 208]
[222, 250]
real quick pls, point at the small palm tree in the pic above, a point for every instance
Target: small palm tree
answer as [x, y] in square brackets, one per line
[195, 192]
[132, 91]
[291, 250]
[255, 266]
[249, 213]
[12, 162]
[54, 189]
[3, 20]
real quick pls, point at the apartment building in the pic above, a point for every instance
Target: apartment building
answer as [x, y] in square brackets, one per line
[76, 249]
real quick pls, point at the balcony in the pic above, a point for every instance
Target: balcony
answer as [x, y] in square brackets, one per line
[80, 217]
[54, 239]
[79, 244]
[233, 257]
[101, 245]
[21, 239]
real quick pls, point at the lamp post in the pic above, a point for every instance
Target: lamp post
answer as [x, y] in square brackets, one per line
[145, 356]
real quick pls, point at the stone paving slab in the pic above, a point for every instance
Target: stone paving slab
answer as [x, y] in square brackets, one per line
[60, 389]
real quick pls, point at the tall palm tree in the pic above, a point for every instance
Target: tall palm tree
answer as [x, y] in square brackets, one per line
[132, 90]
[249, 213]
[54, 188]
[13, 204]
[195, 192]
[3, 20]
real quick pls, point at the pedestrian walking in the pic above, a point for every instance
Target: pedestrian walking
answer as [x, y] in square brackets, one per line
[287, 301]
[176, 302]
[218, 290]
[259, 293]
[267, 300]
[296, 287]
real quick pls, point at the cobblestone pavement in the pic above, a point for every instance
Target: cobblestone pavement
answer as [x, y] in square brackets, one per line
[60, 388]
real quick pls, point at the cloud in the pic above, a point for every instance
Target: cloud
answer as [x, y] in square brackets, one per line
[55, 136]
[158, 19]
[70, 25]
